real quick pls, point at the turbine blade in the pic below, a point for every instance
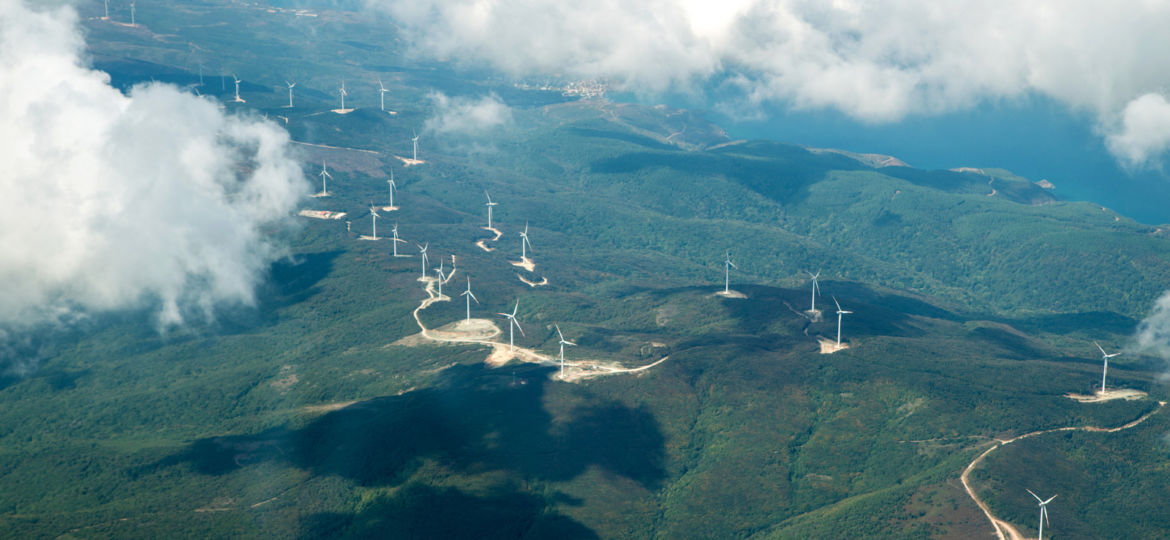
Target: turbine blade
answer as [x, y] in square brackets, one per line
[1100, 349]
[518, 327]
[838, 303]
[1049, 499]
[1034, 495]
[559, 334]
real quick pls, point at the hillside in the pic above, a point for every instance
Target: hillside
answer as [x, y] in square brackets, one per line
[313, 413]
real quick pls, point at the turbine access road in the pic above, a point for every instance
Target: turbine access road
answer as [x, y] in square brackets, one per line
[1003, 529]
[501, 354]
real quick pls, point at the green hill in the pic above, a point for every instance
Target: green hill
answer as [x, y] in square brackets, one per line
[306, 416]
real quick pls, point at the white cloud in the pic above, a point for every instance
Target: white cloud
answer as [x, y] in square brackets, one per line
[464, 116]
[876, 61]
[1144, 132]
[1153, 334]
[108, 201]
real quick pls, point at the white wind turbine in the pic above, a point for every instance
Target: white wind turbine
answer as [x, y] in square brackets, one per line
[512, 322]
[374, 216]
[324, 174]
[439, 271]
[1104, 358]
[727, 266]
[1043, 512]
[414, 140]
[237, 81]
[840, 312]
[470, 296]
[489, 205]
[524, 243]
[382, 89]
[816, 288]
[392, 186]
[563, 342]
[396, 240]
[343, 94]
[290, 87]
[423, 253]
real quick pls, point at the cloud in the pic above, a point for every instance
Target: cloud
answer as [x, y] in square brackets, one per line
[1144, 133]
[876, 61]
[1153, 334]
[466, 116]
[111, 201]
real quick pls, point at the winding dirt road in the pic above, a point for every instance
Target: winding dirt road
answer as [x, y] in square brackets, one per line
[501, 353]
[1003, 529]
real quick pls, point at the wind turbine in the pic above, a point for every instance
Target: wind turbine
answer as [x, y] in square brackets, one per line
[1105, 358]
[423, 252]
[374, 216]
[563, 342]
[816, 288]
[840, 312]
[392, 186]
[396, 240]
[512, 322]
[324, 175]
[383, 91]
[489, 205]
[343, 94]
[524, 242]
[439, 271]
[727, 266]
[1043, 512]
[414, 140]
[290, 87]
[237, 80]
[200, 65]
[470, 297]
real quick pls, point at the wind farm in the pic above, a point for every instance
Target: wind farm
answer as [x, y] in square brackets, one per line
[985, 351]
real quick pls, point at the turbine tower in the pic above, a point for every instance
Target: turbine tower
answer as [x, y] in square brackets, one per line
[132, 23]
[414, 140]
[108, 11]
[423, 253]
[237, 80]
[470, 297]
[563, 342]
[489, 205]
[290, 87]
[727, 266]
[392, 186]
[840, 312]
[374, 216]
[343, 94]
[816, 288]
[439, 271]
[524, 243]
[396, 240]
[1104, 358]
[382, 89]
[1043, 512]
[324, 174]
[512, 322]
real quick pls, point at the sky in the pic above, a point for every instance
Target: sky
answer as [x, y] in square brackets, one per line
[1075, 87]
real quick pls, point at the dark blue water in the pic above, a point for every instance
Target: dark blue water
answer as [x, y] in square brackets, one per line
[1033, 137]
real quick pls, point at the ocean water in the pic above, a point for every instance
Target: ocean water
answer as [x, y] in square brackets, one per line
[1033, 137]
